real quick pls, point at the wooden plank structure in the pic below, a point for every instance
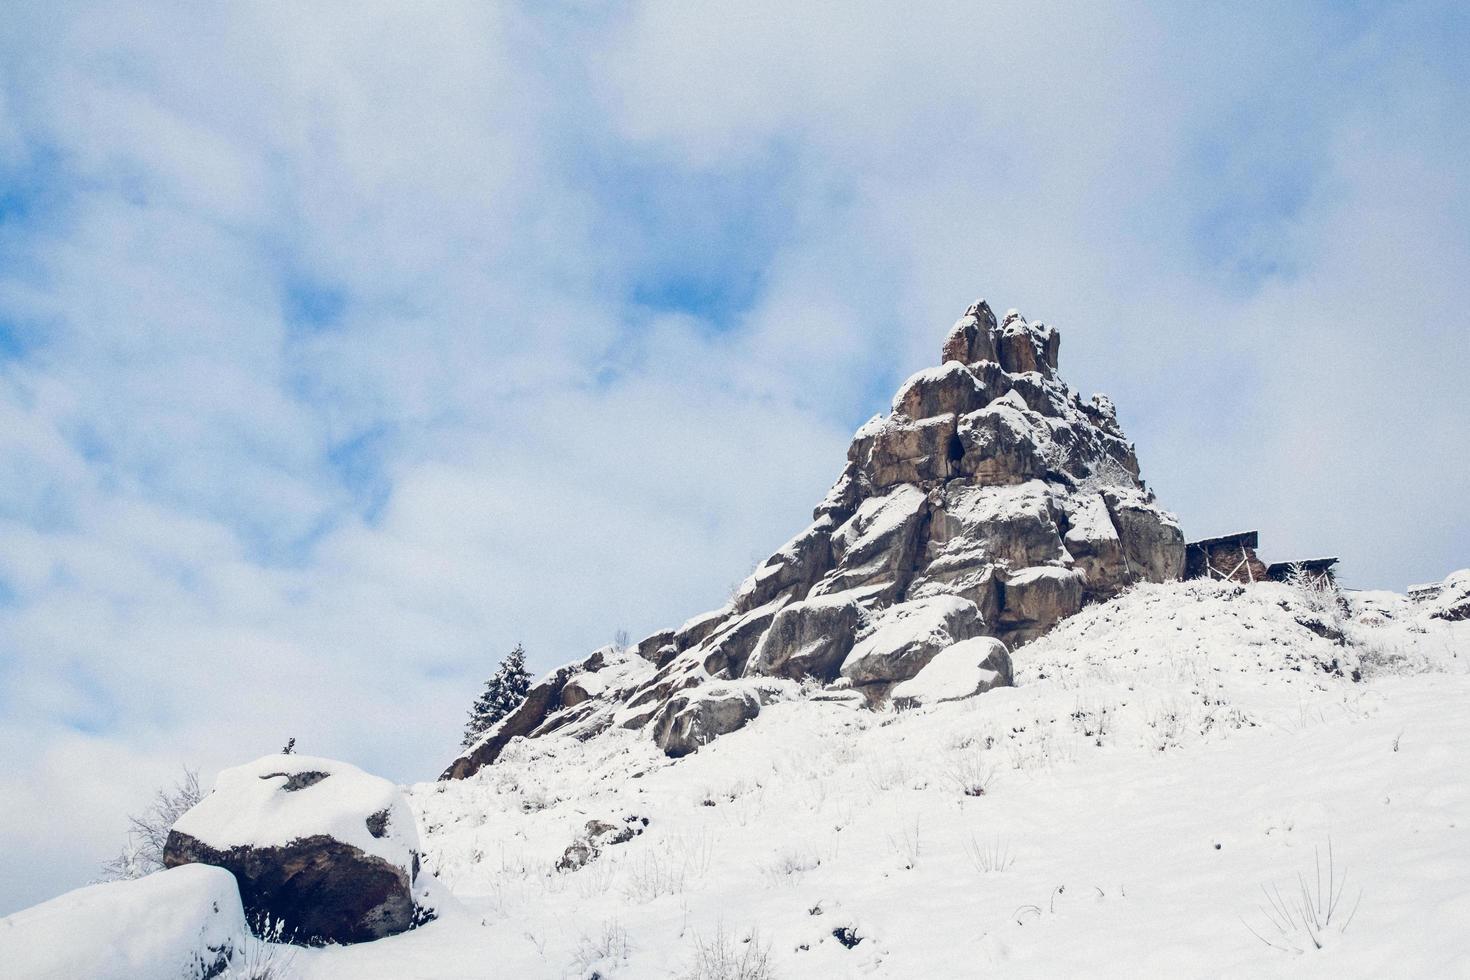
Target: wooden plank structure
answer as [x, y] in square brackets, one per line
[1317, 571]
[1425, 592]
[1230, 557]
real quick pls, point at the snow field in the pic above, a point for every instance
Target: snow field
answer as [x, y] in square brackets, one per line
[1164, 758]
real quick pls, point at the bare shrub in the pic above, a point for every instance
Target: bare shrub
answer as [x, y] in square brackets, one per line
[262, 957]
[724, 958]
[142, 853]
[989, 856]
[968, 772]
[653, 875]
[791, 865]
[609, 947]
[1309, 912]
[907, 844]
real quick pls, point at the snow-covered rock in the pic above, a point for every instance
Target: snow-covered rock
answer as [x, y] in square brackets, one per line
[184, 922]
[1453, 601]
[692, 718]
[961, 670]
[808, 638]
[329, 851]
[905, 637]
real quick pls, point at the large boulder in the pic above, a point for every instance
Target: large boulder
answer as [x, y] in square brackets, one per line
[949, 389]
[1094, 545]
[961, 670]
[318, 846]
[794, 567]
[1034, 600]
[905, 637]
[184, 922]
[903, 451]
[808, 639]
[691, 719]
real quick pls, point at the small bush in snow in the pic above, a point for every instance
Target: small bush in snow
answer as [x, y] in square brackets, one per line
[907, 844]
[790, 865]
[1309, 912]
[263, 955]
[653, 875]
[968, 772]
[724, 958]
[142, 854]
[989, 856]
[609, 947]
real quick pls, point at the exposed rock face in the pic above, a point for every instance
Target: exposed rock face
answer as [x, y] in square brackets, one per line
[808, 638]
[320, 846]
[991, 501]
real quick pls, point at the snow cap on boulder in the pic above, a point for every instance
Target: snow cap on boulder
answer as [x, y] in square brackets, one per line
[184, 922]
[326, 848]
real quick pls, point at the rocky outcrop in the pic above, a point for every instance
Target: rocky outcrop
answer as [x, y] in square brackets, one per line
[323, 848]
[991, 501]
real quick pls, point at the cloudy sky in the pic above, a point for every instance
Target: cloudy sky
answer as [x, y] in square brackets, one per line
[342, 347]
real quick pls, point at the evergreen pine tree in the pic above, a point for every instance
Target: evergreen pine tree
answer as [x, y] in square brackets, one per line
[503, 693]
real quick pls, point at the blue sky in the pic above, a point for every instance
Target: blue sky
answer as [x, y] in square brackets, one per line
[341, 351]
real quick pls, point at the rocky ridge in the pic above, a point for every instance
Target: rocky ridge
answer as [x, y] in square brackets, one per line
[991, 501]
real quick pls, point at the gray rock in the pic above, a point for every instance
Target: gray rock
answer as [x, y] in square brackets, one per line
[908, 452]
[594, 838]
[794, 568]
[1002, 443]
[905, 637]
[877, 545]
[808, 639]
[972, 338]
[950, 389]
[694, 718]
[1152, 539]
[1036, 599]
[961, 670]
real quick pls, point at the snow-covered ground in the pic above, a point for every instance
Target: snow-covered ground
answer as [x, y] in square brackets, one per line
[1176, 772]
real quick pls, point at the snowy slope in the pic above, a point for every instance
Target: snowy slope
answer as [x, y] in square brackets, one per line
[1163, 758]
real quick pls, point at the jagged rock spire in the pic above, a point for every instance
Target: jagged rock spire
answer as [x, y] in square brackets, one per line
[989, 501]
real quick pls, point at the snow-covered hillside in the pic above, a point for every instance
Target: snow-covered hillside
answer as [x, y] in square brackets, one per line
[1171, 767]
